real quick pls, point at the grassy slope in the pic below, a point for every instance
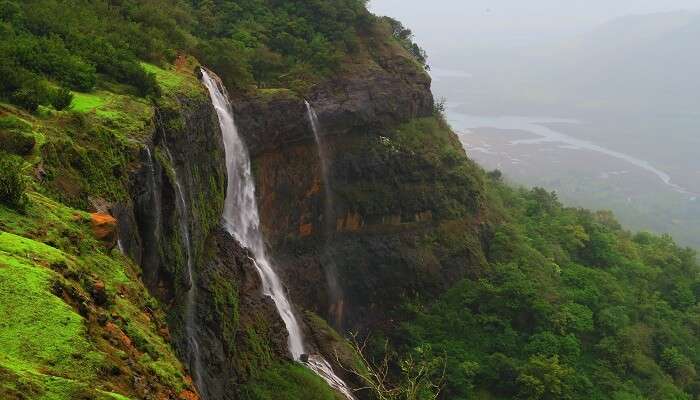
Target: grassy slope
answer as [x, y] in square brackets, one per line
[55, 337]
[57, 341]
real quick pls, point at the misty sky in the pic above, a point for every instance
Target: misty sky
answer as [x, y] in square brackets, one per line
[445, 25]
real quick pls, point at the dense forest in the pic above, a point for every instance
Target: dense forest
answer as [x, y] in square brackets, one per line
[564, 304]
[571, 307]
[51, 47]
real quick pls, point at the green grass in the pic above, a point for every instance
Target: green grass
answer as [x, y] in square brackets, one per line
[50, 222]
[86, 102]
[167, 79]
[44, 342]
[39, 332]
[29, 385]
[127, 115]
[287, 382]
[178, 81]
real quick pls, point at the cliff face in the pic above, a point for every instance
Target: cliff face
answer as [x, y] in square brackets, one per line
[389, 195]
[181, 179]
[372, 96]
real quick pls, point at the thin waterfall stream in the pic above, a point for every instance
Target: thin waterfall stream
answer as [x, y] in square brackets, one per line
[154, 194]
[241, 219]
[191, 297]
[335, 291]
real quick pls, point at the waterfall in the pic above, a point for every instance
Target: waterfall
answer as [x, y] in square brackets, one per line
[191, 297]
[154, 194]
[335, 291]
[242, 221]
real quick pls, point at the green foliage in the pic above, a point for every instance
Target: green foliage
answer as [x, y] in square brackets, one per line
[12, 181]
[280, 45]
[77, 43]
[545, 378]
[16, 135]
[570, 306]
[61, 98]
[405, 37]
[286, 382]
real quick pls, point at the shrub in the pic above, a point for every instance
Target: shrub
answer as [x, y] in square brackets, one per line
[61, 98]
[77, 74]
[32, 93]
[16, 135]
[16, 141]
[26, 98]
[12, 182]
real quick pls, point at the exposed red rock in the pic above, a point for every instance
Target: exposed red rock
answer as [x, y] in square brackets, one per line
[104, 227]
[305, 230]
[188, 395]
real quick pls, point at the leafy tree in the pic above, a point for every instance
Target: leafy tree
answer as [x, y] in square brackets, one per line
[545, 378]
[405, 37]
[12, 181]
[61, 98]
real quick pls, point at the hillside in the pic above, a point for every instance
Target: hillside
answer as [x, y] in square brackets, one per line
[127, 268]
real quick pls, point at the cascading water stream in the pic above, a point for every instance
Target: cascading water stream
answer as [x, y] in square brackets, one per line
[154, 194]
[242, 221]
[191, 297]
[335, 291]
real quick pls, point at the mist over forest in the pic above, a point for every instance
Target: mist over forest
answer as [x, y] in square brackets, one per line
[624, 76]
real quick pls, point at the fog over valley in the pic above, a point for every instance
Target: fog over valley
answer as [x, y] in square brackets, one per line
[594, 100]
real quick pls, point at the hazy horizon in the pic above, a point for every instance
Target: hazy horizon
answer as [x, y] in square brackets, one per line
[445, 26]
[626, 71]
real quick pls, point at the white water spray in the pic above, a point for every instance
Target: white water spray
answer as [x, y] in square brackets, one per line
[242, 221]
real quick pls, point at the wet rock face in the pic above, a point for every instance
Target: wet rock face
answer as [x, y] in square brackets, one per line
[384, 201]
[186, 143]
[374, 99]
[234, 317]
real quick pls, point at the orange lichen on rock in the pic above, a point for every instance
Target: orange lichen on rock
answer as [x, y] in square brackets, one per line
[305, 230]
[104, 227]
[188, 395]
[116, 333]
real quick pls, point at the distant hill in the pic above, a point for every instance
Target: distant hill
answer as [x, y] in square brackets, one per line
[646, 63]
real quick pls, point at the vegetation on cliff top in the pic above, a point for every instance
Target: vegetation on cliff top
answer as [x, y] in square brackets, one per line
[51, 47]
